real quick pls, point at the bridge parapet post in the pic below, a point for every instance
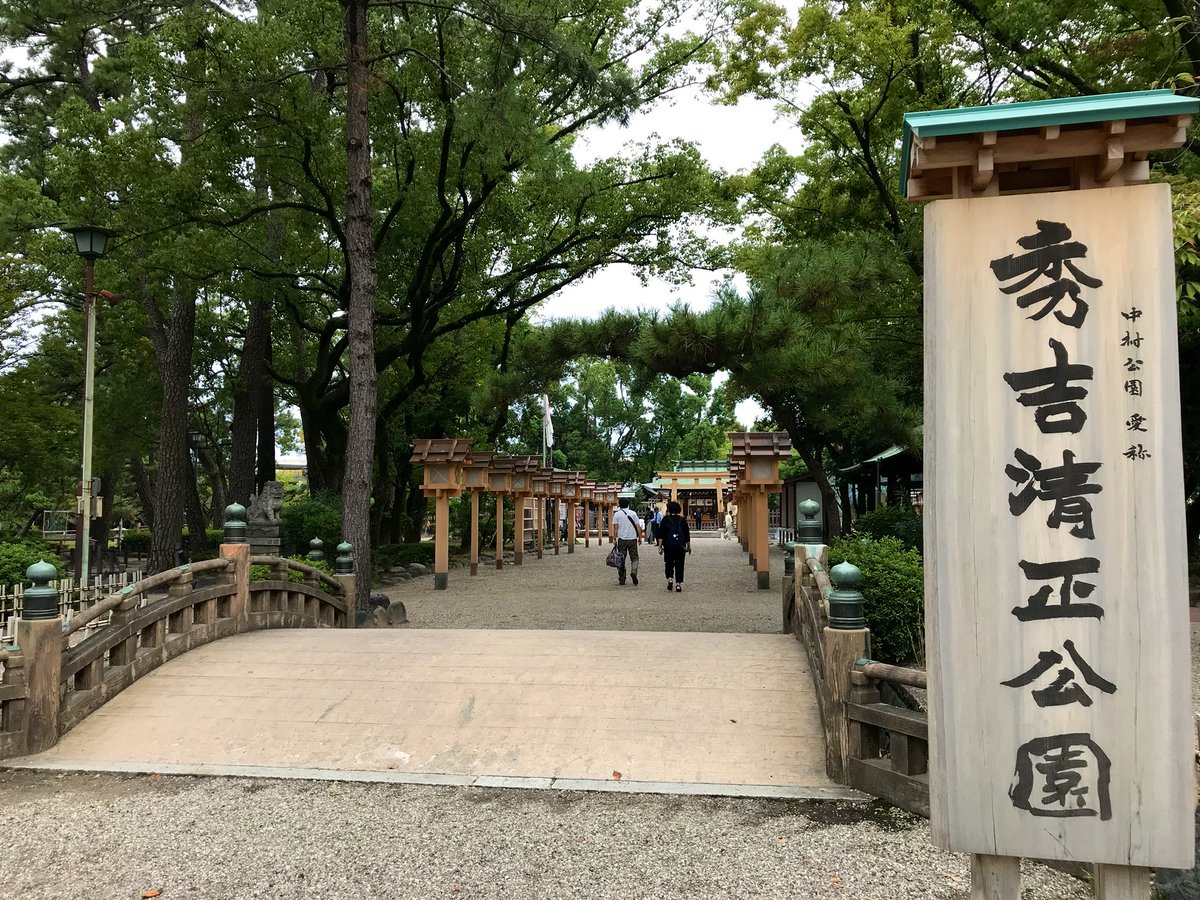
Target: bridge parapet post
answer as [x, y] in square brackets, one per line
[40, 637]
[343, 571]
[789, 584]
[235, 548]
[846, 640]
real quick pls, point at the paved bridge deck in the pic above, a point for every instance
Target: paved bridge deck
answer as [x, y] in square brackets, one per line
[678, 712]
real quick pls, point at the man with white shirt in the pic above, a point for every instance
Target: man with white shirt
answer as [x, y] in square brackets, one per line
[629, 535]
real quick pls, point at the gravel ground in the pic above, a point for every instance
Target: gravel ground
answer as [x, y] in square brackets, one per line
[113, 837]
[720, 594]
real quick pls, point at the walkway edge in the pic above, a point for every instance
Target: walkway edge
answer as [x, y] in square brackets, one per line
[765, 791]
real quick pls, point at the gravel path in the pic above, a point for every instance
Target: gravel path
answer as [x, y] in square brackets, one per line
[112, 837]
[79, 837]
[720, 594]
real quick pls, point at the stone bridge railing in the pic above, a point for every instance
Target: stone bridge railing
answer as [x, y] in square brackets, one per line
[60, 671]
[876, 734]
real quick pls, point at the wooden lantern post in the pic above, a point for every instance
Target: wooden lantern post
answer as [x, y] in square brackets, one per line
[541, 488]
[613, 491]
[585, 493]
[499, 479]
[742, 498]
[475, 479]
[739, 500]
[764, 450]
[442, 460]
[1055, 542]
[521, 487]
[558, 481]
[571, 494]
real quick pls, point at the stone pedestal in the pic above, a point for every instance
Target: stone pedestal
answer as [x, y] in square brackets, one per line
[263, 538]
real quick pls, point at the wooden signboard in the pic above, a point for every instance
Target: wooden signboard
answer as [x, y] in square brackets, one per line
[1056, 590]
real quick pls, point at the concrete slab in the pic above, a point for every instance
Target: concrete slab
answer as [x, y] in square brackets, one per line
[706, 713]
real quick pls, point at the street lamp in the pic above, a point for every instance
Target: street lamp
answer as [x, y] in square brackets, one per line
[90, 243]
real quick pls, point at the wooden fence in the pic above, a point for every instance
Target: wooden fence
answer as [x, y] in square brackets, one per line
[876, 734]
[73, 596]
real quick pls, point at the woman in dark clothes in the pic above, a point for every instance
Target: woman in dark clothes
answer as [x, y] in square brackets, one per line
[674, 540]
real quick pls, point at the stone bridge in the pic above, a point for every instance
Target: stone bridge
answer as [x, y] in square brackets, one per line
[206, 669]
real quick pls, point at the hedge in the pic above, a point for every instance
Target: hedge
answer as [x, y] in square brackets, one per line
[893, 588]
[17, 556]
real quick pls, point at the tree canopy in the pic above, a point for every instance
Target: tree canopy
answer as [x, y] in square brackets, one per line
[335, 220]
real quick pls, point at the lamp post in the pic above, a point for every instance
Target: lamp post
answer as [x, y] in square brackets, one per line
[90, 243]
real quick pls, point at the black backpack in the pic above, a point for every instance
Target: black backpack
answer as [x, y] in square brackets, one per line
[673, 538]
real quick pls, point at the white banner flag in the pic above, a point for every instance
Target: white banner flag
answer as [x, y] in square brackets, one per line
[547, 422]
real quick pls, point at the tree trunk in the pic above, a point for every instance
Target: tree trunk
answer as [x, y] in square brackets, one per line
[211, 464]
[829, 498]
[247, 398]
[325, 448]
[415, 506]
[173, 339]
[847, 506]
[265, 470]
[102, 524]
[145, 490]
[174, 477]
[197, 521]
[360, 449]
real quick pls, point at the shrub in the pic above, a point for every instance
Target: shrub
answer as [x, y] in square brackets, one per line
[319, 516]
[893, 592]
[17, 556]
[260, 572]
[896, 520]
[137, 541]
[390, 556]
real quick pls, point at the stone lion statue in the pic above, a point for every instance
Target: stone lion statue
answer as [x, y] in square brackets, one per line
[265, 507]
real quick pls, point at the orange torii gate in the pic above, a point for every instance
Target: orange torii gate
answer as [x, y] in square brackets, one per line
[755, 457]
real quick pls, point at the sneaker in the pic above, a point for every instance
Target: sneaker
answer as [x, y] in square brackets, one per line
[670, 586]
[634, 577]
[679, 588]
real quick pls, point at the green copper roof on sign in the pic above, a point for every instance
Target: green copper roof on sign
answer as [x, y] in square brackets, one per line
[1039, 113]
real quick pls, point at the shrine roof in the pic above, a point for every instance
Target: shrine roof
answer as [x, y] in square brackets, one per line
[700, 465]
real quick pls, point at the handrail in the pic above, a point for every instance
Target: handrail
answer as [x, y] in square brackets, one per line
[820, 576]
[895, 674]
[299, 567]
[112, 601]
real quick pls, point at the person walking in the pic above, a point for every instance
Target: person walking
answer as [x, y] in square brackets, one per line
[629, 535]
[674, 543]
[728, 525]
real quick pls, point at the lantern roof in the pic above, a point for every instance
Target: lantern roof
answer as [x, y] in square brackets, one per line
[440, 450]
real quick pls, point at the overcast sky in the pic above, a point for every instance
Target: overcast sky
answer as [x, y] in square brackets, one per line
[732, 138]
